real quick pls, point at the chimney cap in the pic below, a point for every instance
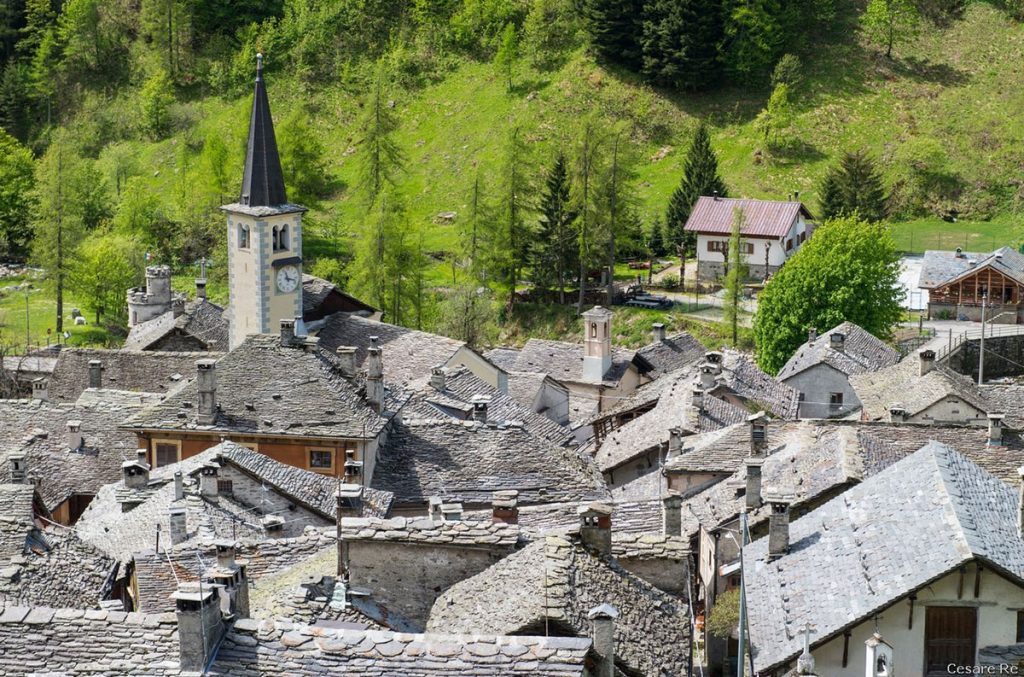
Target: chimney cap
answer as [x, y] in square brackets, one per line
[349, 490]
[603, 612]
[996, 416]
[672, 498]
[926, 354]
[759, 416]
[1020, 472]
[74, 425]
[779, 500]
[594, 508]
[206, 363]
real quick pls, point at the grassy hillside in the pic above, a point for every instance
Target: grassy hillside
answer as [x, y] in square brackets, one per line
[944, 107]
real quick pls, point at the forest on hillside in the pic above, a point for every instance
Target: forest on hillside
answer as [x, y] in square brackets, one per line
[453, 151]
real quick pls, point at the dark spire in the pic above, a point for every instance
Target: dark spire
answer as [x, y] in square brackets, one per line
[263, 181]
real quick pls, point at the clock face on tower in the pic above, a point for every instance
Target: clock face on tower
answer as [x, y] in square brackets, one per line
[287, 279]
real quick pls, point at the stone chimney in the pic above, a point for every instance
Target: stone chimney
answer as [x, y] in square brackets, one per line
[287, 333]
[897, 414]
[657, 332]
[675, 441]
[596, 528]
[995, 429]
[179, 485]
[927, 358]
[837, 341]
[672, 514]
[602, 619]
[346, 360]
[230, 579]
[697, 398]
[135, 474]
[349, 498]
[434, 508]
[505, 506]
[206, 382]
[1020, 502]
[208, 480]
[480, 405]
[95, 374]
[74, 435]
[179, 524]
[18, 468]
[778, 527]
[437, 377]
[41, 389]
[200, 625]
[707, 377]
[812, 334]
[451, 512]
[178, 306]
[753, 490]
[200, 288]
[715, 359]
[375, 376]
[758, 434]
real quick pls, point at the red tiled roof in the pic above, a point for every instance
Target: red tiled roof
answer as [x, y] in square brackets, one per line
[763, 218]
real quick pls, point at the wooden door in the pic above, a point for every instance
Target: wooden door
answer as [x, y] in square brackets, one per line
[950, 634]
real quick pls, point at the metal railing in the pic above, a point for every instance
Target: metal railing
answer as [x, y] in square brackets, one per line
[991, 331]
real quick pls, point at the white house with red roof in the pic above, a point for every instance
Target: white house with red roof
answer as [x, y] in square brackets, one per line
[772, 232]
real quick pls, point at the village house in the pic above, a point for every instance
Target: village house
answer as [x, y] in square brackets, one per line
[595, 373]
[771, 233]
[283, 396]
[921, 390]
[958, 282]
[550, 586]
[77, 369]
[820, 369]
[949, 595]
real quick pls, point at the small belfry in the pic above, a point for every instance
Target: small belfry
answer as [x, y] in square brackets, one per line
[264, 234]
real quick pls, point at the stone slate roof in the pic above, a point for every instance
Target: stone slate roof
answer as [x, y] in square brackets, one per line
[122, 534]
[148, 371]
[319, 296]
[467, 461]
[762, 218]
[201, 319]
[855, 548]
[503, 358]
[564, 361]
[674, 408]
[1008, 400]
[862, 352]
[456, 401]
[110, 643]
[939, 268]
[264, 388]
[38, 431]
[675, 352]
[24, 366]
[902, 385]
[639, 517]
[408, 354]
[525, 386]
[742, 377]
[553, 583]
[157, 573]
[717, 451]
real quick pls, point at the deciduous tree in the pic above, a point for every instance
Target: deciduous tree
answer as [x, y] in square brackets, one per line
[887, 22]
[16, 199]
[848, 271]
[104, 266]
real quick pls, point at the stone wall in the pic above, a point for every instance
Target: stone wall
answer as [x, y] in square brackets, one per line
[408, 578]
[714, 271]
[1004, 356]
[177, 341]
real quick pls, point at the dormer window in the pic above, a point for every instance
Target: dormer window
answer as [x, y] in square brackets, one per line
[243, 236]
[280, 238]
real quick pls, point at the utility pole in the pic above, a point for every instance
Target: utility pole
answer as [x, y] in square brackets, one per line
[28, 338]
[742, 649]
[981, 348]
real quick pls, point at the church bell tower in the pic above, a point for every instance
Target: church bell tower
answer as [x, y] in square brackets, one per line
[264, 234]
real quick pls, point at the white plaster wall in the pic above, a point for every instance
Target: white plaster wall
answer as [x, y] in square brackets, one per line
[817, 384]
[997, 624]
[951, 410]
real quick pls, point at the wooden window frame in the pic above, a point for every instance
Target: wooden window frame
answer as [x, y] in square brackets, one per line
[162, 440]
[325, 471]
[247, 230]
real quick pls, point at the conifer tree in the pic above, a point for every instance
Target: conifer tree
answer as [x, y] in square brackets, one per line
[681, 42]
[507, 55]
[854, 186]
[554, 251]
[700, 177]
[736, 273]
[381, 159]
[614, 27]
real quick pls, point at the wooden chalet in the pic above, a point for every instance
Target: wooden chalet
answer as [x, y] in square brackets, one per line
[958, 282]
